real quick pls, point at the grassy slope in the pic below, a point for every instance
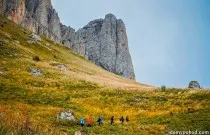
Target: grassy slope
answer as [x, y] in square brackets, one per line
[29, 101]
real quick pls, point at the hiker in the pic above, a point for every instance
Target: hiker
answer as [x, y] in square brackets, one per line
[122, 120]
[100, 120]
[112, 120]
[82, 122]
[89, 121]
[127, 119]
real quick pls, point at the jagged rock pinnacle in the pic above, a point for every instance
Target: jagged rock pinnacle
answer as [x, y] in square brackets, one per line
[103, 41]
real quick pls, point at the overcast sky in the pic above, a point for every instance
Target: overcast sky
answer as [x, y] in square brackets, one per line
[169, 40]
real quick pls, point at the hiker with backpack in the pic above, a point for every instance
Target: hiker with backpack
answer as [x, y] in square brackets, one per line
[127, 119]
[100, 120]
[89, 121]
[112, 120]
[122, 120]
[82, 122]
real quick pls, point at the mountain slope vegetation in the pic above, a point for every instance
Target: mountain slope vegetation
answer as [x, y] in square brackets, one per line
[30, 103]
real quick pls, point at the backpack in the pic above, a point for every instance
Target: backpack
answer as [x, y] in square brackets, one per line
[122, 119]
[82, 121]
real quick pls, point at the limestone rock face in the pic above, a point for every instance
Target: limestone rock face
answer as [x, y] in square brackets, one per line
[13, 10]
[39, 10]
[79, 43]
[36, 15]
[47, 18]
[68, 35]
[54, 26]
[124, 65]
[103, 41]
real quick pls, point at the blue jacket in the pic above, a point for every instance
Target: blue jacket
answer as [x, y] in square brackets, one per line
[82, 121]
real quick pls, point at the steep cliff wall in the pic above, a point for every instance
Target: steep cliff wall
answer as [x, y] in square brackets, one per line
[13, 10]
[48, 20]
[103, 41]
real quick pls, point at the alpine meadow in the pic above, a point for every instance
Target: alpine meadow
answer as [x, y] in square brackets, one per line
[51, 76]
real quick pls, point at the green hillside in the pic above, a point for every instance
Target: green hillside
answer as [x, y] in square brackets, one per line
[29, 104]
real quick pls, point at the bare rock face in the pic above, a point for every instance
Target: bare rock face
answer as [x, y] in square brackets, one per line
[13, 10]
[36, 15]
[39, 10]
[48, 20]
[124, 65]
[103, 41]
[68, 35]
[79, 43]
[54, 26]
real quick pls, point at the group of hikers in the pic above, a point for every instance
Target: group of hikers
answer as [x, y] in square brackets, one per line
[89, 121]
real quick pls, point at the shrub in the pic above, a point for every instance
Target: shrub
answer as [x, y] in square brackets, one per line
[36, 58]
[2, 129]
[163, 88]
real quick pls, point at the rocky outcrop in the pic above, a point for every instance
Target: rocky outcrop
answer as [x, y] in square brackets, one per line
[36, 72]
[66, 115]
[36, 15]
[46, 17]
[103, 41]
[17, 13]
[13, 10]
[68, 35]
[194, 85]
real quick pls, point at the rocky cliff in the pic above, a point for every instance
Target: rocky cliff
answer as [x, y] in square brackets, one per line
[103, 41]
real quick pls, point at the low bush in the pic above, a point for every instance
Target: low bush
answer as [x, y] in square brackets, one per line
[36, 58]
[163, 88]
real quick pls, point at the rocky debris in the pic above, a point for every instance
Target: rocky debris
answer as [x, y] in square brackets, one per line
[16, 41]
[31, 42]
[78, 133]
[66, 115]
[4, 40]
[1, 73]
[36, 72]
[47, 44]
[138, 99]
[62, 67]
[194, 85]
[86, 56]
[35, 37]
[8, 35]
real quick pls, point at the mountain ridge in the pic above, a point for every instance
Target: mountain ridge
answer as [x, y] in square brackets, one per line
[109, 51]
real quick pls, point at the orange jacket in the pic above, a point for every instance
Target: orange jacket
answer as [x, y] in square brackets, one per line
[89, 121]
